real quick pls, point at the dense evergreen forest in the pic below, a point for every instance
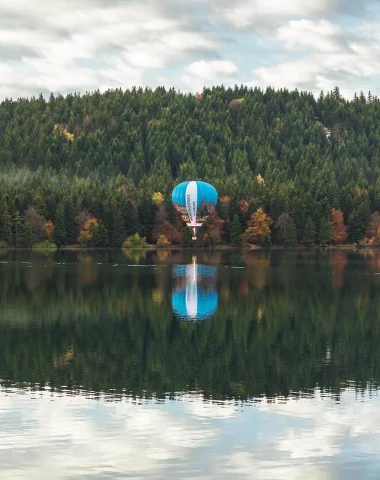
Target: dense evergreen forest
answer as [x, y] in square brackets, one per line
[97, 168]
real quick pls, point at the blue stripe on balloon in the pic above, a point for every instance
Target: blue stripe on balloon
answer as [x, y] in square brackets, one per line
[205, 191]
[179, 194]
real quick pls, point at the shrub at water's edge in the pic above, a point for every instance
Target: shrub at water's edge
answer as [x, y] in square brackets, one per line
[45, 245]
[135, 241]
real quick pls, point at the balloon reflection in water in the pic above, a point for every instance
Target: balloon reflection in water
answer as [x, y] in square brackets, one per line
[195, 293]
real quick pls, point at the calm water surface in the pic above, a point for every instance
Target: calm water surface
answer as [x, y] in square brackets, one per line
[190, 365]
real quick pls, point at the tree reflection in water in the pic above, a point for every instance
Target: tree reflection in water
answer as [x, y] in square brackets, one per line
[278, 323]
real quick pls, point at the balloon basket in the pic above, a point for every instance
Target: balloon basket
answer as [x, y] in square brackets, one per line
[194, 228]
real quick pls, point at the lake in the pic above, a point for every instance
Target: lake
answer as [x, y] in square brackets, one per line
[190, 364]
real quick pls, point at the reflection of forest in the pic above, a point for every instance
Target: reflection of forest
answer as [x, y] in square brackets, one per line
[286, 322]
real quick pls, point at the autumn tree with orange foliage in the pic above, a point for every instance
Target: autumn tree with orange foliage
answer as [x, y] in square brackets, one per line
[162, 227]
[339, 231]
[92, 233]
[372, 236]
[258, 227]
[213, 229]
[49, 227]
[243, 205]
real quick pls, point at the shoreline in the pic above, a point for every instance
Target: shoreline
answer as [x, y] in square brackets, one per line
[347, 247]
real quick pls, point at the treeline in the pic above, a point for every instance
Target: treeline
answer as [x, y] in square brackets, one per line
[98, 168]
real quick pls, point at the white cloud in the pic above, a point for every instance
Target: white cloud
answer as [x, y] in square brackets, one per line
[211, 70]
[81, 46]
[170, 46]
[331, 57]
[290, 74]
[253, 12]
[323, 35]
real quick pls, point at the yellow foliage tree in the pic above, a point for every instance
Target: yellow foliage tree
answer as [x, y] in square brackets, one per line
[258, 227]
[68, 135]
[87, 231]
[61, 127]
[157, 198]
[162, 241]
[260, 179]
[226, 200]
[243, 204]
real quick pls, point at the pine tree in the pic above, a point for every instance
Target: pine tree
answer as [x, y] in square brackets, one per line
[5, 222]
[358, 221]
[267, 240]
[187, 237]
[325, 231]
[291, 236]
[130, 218]
[19, 230]
[310, 233]
[117, 232]
[147, 215]
[60, 233]
[236, 230]
[70, 225]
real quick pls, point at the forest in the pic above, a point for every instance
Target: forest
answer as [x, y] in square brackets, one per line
[98, 169]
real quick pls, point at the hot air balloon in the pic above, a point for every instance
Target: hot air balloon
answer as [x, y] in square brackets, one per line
[195, 294]
[194, 201]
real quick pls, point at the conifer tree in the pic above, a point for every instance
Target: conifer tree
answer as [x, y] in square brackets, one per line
[187, 237]
[325, 231]
[60, 233]
[309, 237]
[5, 222]
[19, 230]
[291, 236]
[236, 230]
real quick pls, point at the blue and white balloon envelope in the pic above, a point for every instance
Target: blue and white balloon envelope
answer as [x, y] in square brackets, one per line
[194, 200]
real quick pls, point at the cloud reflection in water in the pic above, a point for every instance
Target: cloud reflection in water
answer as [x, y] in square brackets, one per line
[51, 435]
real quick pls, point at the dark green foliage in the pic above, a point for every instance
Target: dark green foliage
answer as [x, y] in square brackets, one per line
[21, 235]
[358, 221]
[60, 232]
[117, 230]
[118, 148]
[291, 236]
[310, 234]
[147, 215]
[5, 222]
[236, 231]
[99, 236]
[325, 231]
[267, 240]
[187, 236]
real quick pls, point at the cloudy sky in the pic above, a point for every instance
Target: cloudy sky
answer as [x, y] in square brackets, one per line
[81, 45]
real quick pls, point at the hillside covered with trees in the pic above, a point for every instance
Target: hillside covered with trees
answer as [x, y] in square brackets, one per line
[97, 168]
